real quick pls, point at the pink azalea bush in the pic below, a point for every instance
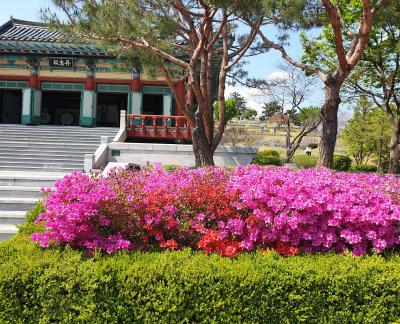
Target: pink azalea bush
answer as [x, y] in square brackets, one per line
[226, 212]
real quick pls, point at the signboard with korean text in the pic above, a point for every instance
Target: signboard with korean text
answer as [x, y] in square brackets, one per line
[63, 62]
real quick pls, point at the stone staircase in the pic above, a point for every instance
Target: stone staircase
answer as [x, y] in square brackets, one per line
[32, 157]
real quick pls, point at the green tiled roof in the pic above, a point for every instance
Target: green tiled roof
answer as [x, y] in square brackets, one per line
[26, 37]
[15, 47]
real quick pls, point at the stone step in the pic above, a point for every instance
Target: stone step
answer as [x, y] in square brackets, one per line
[12, 217]
[55, 155]
[12, 203]
[42, 163]
[26, 178]
[41, 132]
[49, 139]
[7, 231]
[53, 151]
[54, 135]
[34, 168]
[48, 143]
[53, 127]
[36, 158]
[92, 134]
[66, 130]
[83, 137]
[20, 192]
[33, 157]
[55, 141]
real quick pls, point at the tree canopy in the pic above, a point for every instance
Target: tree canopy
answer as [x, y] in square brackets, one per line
[334, 17]
[377, 77]
[367, 134]
[196, 42]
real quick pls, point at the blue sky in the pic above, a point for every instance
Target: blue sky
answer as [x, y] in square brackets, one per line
[262, 66]
[22, 9]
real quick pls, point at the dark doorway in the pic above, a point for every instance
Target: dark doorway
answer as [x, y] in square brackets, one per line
[109, 106]
[61, 108]
[152, 104]
[10, 106]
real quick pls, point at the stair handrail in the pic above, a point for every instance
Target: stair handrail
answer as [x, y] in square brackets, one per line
[99, 159]
[121, 135]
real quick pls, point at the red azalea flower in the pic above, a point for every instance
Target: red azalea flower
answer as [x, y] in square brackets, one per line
[169, 244]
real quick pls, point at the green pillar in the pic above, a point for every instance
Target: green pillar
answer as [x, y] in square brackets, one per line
[135, 105]
[31, 106]
[88, 108]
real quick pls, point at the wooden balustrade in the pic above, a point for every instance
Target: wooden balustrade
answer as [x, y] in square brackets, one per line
[157, 126]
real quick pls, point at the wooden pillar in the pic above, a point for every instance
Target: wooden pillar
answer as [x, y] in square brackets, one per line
[33, 81]
[89, 82]
[136, 84]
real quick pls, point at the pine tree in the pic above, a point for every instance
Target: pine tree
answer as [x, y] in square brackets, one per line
[241, 102]
[367, 134]
[196, 42]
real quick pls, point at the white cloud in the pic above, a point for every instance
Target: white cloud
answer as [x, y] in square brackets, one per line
[278, 75]
[253, 97]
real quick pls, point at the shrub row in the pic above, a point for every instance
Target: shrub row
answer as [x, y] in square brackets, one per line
[271, 157]
[341, 163]
[364, 168]
[63, 286]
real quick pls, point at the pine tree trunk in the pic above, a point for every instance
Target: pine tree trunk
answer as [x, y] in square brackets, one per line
[394, 148]
[329, 120]
[202, 149]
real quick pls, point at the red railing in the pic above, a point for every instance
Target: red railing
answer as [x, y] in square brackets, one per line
[157, 126]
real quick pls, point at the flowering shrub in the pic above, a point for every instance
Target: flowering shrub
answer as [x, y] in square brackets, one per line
[225, 212]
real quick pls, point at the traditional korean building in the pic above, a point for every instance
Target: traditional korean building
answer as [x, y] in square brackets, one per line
[45, 81]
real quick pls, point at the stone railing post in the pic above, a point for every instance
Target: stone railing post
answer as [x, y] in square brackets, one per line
[105, 140]
[122, 119]
[88, 163]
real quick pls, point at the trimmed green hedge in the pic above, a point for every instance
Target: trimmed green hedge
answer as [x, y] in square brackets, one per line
[268, 152]
[305, 161]
[364, 168]
[342, 162]
[267, 157]
[64, 286]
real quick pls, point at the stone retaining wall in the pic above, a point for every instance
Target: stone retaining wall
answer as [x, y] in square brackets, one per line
[175, 154]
